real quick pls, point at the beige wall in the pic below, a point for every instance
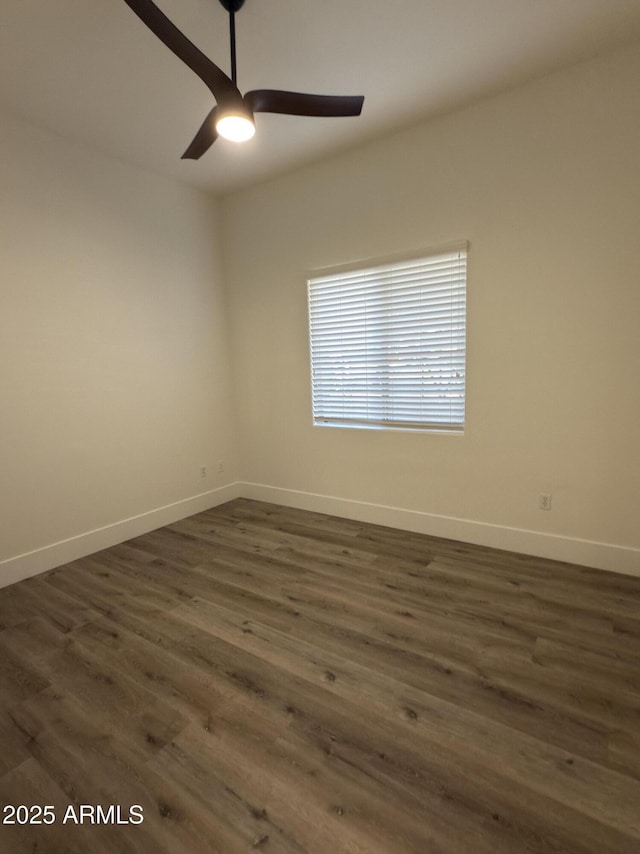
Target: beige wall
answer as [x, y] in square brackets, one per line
[114, 375]
[544, 181]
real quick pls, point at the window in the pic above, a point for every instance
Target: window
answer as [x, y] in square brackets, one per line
[388, 344]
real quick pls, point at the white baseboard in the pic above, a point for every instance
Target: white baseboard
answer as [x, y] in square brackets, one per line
[582, 552]
[570, 550]
[32, 563]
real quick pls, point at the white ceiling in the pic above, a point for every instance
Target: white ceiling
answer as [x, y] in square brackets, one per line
[89, 70]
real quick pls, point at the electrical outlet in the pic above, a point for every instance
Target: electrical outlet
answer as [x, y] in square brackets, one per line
[544, 501]
[203, 471]
[220, 465]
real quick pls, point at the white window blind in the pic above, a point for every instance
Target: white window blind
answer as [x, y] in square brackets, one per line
[388, 344]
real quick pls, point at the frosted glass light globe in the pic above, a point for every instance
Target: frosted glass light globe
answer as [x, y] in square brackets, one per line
[235, 128]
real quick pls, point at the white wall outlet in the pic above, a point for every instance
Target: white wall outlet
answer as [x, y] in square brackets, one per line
[203, 471]
[220, 465]
[544, 501]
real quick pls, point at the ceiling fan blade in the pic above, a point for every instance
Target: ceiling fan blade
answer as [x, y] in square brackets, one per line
[204, 139]
[300, 104]
[222, 87]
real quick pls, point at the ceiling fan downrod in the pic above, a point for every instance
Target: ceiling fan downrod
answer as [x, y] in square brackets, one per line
[232, 6]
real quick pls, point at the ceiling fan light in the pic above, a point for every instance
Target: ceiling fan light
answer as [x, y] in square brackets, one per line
[236, 128]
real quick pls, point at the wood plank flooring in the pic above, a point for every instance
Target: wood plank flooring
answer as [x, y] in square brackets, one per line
[265, 679]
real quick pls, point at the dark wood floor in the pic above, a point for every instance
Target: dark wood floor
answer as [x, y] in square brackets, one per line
[265, 679]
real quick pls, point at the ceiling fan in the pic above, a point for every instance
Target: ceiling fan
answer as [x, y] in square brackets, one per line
[232, 117]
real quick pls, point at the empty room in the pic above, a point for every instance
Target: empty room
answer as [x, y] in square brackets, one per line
[319, 406]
